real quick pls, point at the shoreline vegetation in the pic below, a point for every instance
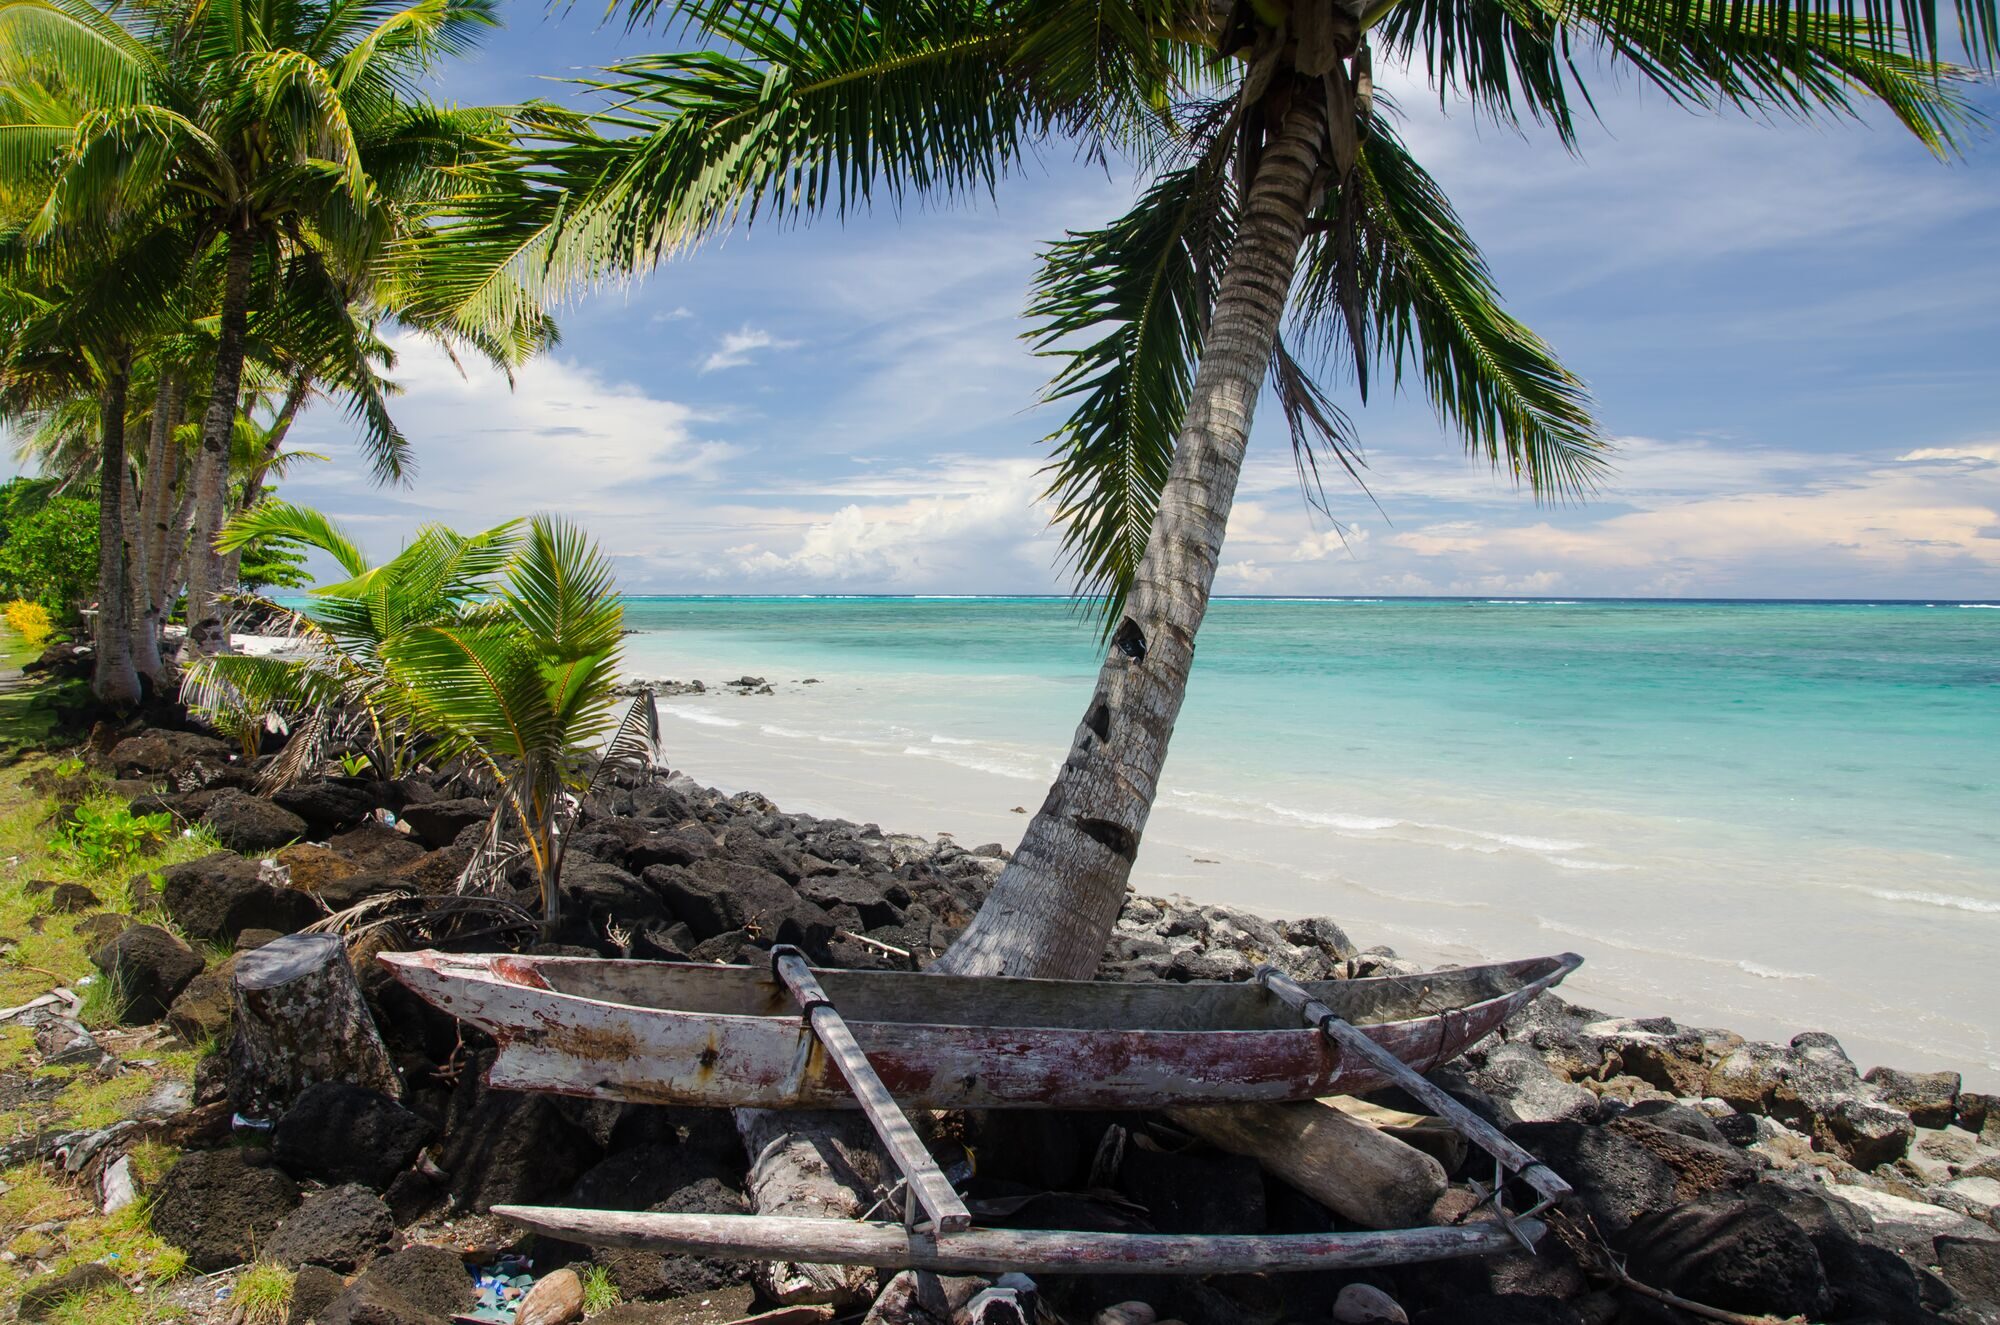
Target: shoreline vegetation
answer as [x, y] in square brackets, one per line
[1751, 1177]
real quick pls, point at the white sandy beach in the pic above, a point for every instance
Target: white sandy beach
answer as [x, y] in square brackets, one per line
[1712, 951]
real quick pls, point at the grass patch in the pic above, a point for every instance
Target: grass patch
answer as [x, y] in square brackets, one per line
[599, 1292]
[263, 1294]
[39, 803]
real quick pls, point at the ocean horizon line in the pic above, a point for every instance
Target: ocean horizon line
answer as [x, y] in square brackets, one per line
[1357, 599]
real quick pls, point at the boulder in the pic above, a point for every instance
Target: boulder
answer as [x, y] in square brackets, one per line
[1726, 1251]
[1979, 1114]
[243, 822]
[1930, 1098]
[313, 1287]
[435, 873]
[1868, 1283]
[148, 967]
[438, 823]
[220, 1206]
[636, 844]
[338, 1132]
[650, 1275]
[202, 1011]
[1972, 1267]
[592, 887]
[635, 1177]
[340, 1228]
[416, 1286]
[67, 899]
[507, 1148]
[1527, 1090]
[311, 868]
[98, 930]
[1864, 1133]
[1616, 1179]
[41, 1295]
[155, 753]
[375, 846]
[1905, 1225]
[717, 896]
[327, 807]
[219, 896]
[1699, 1164]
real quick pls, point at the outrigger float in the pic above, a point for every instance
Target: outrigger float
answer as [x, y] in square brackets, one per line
[779, 1038]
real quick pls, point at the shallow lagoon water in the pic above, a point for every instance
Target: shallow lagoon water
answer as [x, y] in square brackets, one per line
[1769, 816]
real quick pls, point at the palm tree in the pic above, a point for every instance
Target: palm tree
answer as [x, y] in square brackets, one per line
[74, 319]
[1278, 188]
[281, 134]
[338, 688]
[525, 691]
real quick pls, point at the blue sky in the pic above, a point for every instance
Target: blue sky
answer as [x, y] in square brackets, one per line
[1793, 331]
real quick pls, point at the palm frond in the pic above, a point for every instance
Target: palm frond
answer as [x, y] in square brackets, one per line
[276, 521]
[1430, 303]
[1123, 310]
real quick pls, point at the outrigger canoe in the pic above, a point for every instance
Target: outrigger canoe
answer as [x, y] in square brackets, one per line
[738, 1036]
[731, 1036]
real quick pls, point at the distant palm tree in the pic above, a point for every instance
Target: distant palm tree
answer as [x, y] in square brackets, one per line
[1278, 187]
[285, 136]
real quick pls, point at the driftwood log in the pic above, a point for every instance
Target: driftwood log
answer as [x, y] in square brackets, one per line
[300, 1019]
[1432, 1135]
[815, 1165]
[1344, 1163]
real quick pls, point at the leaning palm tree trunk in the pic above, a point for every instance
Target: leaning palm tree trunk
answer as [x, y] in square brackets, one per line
[115, 681]
[1053, 907]
[205, 632]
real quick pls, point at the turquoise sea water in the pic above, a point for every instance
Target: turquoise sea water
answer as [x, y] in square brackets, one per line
[1776, 797]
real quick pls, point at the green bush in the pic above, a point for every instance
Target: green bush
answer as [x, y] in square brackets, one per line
[50, 556]
[103, 834]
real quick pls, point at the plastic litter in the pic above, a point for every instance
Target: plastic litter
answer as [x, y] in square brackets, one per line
[500, 1288]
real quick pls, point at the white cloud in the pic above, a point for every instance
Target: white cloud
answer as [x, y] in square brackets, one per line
[1691, 517]
[679, 313]
[737, 346]
[1986, 453]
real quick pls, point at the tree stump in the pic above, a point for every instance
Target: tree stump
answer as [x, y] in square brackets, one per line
[300, 1019]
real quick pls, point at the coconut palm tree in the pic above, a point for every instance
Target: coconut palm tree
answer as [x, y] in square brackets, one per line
[1279, 189]
[525, 690]
[281, 134]
[338, 687]
[75, 320]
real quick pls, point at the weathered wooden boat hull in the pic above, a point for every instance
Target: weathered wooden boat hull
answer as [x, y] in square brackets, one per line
[721, 1036]
[998, 1250]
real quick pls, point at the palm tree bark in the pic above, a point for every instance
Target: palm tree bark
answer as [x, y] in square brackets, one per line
[206, 633]
[152, 531]
[274, 441]
[1052, 909]
[115, 680]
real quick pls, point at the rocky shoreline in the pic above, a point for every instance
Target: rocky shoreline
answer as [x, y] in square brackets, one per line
[1754, 1178]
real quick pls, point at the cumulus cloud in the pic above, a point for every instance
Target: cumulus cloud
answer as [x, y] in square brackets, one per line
[1693, 517]
[737, 347]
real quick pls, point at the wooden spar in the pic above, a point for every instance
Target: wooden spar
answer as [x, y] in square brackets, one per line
[930, 1188]
[998, 1250]
[730, 1036]
[1481, 1133]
